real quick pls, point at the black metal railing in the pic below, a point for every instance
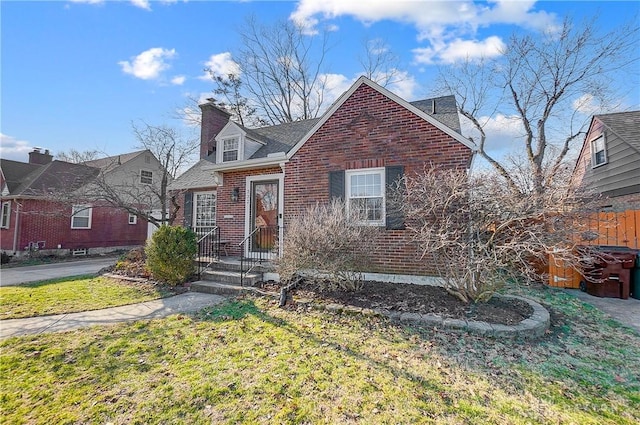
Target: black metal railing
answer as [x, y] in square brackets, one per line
[208, 246]
[258, 247]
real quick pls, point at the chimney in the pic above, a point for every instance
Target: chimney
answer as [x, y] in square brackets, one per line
[213, 120]
[37, 157]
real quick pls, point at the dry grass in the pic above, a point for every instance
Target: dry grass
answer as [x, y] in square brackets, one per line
[250, 362]
[68, 295]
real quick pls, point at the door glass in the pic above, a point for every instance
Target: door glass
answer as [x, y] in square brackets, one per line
[265, 215]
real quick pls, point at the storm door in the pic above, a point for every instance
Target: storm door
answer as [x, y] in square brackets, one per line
[265, 214]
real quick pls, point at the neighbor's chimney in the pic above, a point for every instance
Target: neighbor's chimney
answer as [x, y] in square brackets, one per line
[37, 157]
[213, 119]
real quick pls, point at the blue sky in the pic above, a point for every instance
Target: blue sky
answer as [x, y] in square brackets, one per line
[75, 74]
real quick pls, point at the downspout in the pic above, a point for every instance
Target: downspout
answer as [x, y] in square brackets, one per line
[16, 227]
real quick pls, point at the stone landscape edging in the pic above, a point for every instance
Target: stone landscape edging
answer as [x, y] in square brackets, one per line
[534, 326]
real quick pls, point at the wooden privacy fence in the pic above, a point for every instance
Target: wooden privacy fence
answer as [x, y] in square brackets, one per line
[611, 228]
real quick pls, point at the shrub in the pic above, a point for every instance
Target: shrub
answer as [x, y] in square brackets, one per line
[171, 253]
[4, 258]
[133, 263]
[327, 245]
[478, 234]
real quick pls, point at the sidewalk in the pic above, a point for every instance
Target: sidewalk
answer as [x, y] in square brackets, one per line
[626, 312]
[189, 302]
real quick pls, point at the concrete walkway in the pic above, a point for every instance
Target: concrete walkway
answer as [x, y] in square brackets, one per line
[626, 312]
[188, 302]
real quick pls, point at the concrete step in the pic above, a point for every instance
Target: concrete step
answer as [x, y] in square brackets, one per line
[230, 277]
[234, 265]
[217, 288]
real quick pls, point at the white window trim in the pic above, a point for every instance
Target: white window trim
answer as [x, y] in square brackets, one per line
[5, 217]
[82, 208]
[220, 149]
[148, 171]
[347, 184]
[593, 151]
[134, 217]
[194, 218]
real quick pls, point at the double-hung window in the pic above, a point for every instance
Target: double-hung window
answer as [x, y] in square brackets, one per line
[599, 153]
[81, 217]
[365, 190]
[146, 177]
[230, 148]
[204, 211]
[133, 219]
[6, 212]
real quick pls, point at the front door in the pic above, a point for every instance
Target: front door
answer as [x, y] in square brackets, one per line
[265, 215]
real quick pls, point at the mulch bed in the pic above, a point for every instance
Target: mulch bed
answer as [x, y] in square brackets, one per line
[422, 299]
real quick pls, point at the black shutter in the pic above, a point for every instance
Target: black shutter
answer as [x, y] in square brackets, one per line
[188, 209]
[395, 217]
[336, 184]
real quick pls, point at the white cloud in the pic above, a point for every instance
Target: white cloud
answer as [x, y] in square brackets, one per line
[88, 1]
[448, 27]
[335, 85]
[404, 85]
[460, 50]
[221, 65]
[142, 4]
[178, 80]
[149, 64]
[504, 134]
[15, 149]
[587, 104]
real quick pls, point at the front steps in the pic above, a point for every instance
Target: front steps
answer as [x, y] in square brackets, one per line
[223, 278]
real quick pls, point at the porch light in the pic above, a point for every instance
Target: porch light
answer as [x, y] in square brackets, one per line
[235, 194]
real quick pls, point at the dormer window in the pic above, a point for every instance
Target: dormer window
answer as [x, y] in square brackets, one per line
[230, 148]
[598, 151]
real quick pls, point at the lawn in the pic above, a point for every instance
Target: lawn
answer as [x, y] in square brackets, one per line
[248, 361]
[68, 295]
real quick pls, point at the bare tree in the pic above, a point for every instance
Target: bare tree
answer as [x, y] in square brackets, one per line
[78, 157]
[124, 188]
[228, 89]
[282, 70]
[537, 80]
[174, 152]
[379, 63]
[478, 235]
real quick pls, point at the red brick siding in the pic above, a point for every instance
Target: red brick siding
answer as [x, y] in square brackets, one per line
[213, 120]
[43, 221]
[371, 130]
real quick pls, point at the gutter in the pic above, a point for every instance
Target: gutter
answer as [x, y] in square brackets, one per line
[274, 159]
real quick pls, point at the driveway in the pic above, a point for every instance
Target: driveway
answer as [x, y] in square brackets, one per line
[16, 275]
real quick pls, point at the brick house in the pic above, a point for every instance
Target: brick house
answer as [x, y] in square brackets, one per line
[369, 138]
[39, 212]
[609, 161]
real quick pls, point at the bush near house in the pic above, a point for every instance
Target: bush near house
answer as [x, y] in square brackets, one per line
[327, 245]
[481, 234]
[170, 254]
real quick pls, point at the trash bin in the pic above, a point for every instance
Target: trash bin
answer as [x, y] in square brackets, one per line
[635, 278]
[610, 274]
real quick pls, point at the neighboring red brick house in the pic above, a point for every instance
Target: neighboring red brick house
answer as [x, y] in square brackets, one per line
[37, 214]
[361, 145]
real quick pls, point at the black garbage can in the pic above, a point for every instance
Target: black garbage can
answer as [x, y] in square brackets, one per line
[635, 278]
